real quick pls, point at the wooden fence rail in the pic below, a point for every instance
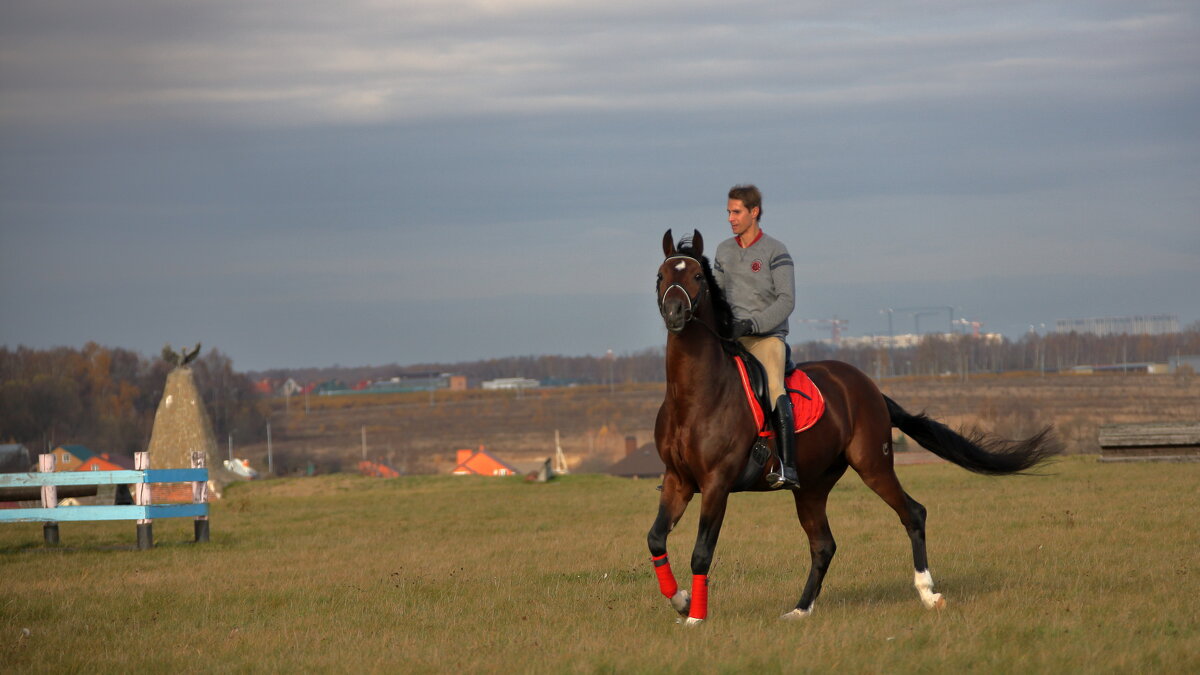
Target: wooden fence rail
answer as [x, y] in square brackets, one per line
[142, 510]
[1161, 441]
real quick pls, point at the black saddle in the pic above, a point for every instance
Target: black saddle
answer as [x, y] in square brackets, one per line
[760, 451]
[758, 374]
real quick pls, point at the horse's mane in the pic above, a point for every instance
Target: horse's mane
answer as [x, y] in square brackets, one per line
[722, 314]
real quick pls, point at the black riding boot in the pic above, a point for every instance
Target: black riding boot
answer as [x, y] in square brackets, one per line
[785, 444]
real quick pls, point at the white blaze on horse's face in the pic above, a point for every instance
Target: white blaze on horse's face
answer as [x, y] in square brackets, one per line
[680, 284]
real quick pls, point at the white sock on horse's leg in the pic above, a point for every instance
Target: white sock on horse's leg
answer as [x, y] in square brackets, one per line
[923, 580]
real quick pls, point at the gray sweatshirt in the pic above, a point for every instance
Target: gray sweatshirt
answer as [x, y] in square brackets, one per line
[759, 282]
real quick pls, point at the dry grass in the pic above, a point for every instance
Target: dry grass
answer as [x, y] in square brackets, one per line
[1092, 569]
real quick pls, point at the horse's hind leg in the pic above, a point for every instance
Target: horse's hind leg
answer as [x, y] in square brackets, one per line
[810, 508]
[922, 579]
[671, 505]
[884, 482]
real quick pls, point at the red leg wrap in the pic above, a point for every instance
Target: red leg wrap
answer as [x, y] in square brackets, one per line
[666, 579]
[699, 608]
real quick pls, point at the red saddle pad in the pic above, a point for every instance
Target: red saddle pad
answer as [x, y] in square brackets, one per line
[806, 410]
[807, 406]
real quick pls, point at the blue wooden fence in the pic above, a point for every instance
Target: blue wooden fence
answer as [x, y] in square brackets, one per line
[142, 511]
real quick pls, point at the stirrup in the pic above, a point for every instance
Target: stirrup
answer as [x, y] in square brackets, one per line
[776, 481]
[779, 479]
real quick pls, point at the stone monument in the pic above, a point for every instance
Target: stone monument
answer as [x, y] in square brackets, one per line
[181, 427]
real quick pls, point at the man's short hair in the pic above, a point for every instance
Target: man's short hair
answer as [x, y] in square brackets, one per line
[748, 195]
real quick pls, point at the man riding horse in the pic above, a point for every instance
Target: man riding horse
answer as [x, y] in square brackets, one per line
[705, 431]
[756, 273]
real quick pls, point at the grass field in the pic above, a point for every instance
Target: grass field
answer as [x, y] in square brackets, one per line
[1091, 569]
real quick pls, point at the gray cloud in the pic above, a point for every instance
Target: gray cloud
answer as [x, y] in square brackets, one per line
[370, 159]
[372, 62]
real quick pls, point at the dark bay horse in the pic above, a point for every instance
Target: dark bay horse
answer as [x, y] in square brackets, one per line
[705, 430]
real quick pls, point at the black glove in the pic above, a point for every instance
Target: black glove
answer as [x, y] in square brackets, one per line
[741, 327]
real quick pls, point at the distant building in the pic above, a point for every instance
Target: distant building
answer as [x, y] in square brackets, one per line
[291, 388]
[1151, 368]
[1185, 361]
[481, 463]
[564, 382]
[14, 458]
[511, 383]
[407, 382]
[1154, 324]
[70, 457]
[896, 341]
[106, 462]
[642, 462]
[400, 384]
[907, 340]
[332, 387]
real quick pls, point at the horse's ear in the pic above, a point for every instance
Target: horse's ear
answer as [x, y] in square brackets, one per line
[668, 245]
[697, 244]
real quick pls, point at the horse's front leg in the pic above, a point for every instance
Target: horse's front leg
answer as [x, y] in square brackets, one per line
[712, 514]
[675, 498]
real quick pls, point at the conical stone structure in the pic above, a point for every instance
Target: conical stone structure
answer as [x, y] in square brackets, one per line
[181, 427]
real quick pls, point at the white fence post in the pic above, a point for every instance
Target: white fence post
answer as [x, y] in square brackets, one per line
[141, 497]
[49, 499]
[200, 496]
[51, 486]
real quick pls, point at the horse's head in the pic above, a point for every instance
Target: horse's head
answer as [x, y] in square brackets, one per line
[682, 281]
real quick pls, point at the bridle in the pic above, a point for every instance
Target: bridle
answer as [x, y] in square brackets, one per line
[692, 302]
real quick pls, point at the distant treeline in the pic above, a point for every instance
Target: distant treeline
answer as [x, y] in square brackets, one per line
[105, 398]
[934, 355]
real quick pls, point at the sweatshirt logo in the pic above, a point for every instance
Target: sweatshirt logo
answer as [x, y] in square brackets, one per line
[756, 266]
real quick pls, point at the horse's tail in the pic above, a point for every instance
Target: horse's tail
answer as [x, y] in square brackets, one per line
[976, 451]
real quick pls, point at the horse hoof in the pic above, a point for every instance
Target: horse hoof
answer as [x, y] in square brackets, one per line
[935, 601]
[681, 602]
[795, 615]
[693, 621]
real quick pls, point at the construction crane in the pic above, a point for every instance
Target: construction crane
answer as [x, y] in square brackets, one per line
[835, 327]
[975, 325]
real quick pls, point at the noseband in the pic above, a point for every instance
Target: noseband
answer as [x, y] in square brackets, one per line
[692, 301]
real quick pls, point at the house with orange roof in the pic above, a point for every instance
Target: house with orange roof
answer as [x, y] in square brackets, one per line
[106, 462]
[481, 463]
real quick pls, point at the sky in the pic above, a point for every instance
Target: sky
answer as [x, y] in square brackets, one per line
[307, 184]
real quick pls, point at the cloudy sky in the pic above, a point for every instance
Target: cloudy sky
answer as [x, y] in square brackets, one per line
[303, 183]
